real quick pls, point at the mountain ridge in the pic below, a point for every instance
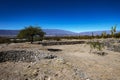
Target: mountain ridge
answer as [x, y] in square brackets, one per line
[49, 32]
[54, 32]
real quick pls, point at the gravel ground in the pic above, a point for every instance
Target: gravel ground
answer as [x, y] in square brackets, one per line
[25, 61]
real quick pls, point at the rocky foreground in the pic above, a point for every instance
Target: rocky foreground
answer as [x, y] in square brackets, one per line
[25, 61]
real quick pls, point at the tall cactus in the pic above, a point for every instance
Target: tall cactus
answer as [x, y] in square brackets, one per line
[113, 30]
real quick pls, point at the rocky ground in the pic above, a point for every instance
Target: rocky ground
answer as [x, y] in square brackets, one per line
[25, 61]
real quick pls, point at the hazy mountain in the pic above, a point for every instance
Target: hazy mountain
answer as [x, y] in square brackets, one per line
[58, 32]
[49, 32]
[53, 32]
[9, 33]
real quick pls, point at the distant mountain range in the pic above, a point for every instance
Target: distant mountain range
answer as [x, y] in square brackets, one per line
[58, 32]
[52, 32]
[49, 32]
[9, 33]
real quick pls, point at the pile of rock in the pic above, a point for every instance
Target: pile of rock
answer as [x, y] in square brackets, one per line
[16, 56]
[24, 56]
[116, 48]
[111, 45]
[61, 43]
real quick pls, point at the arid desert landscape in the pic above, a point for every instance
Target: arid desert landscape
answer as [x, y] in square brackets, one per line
[25, 61]
[59, 39]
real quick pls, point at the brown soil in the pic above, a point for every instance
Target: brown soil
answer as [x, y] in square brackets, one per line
[73, 62]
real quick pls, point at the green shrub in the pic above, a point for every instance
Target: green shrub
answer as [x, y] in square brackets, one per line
[96, 45]
[4, 40]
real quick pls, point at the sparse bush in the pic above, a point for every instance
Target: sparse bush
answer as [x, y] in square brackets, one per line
[4, 40]
[57, 39]
[98, 47]
[117, 35]
[103, 35]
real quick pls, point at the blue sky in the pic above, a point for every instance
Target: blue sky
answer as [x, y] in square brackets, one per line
[72, 15]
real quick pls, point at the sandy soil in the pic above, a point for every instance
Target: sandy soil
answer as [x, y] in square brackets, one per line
[73, 62]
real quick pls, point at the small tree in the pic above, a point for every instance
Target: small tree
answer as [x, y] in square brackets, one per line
[29, 33]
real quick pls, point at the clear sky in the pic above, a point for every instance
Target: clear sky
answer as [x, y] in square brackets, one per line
[72, 15]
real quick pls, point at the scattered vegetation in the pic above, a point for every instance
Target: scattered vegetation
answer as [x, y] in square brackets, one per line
[113, 30]
[34, 33]
[4, 40]
[117, 35]
[104, 34]
[96, 45]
